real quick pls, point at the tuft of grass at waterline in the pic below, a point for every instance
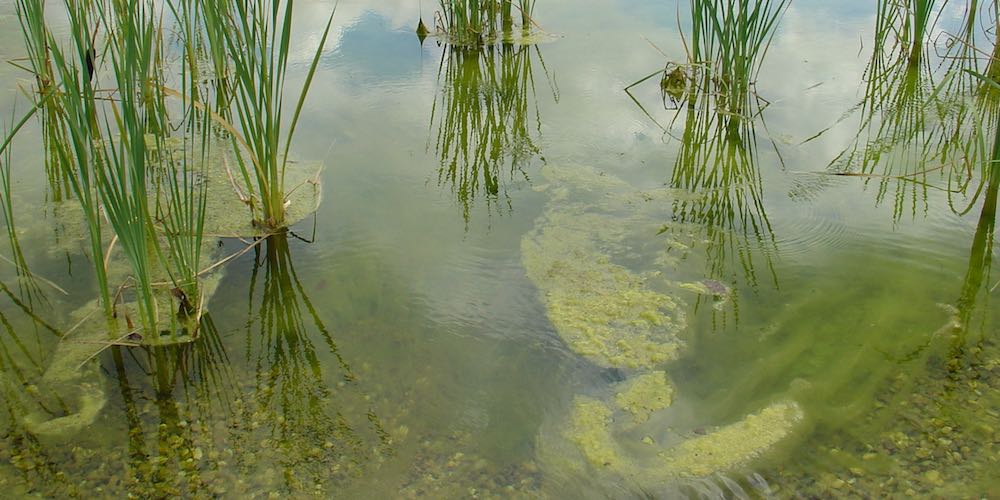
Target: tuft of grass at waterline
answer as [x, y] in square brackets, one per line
[713, 91]
[477, 22]
[253, 38]
[115, 148]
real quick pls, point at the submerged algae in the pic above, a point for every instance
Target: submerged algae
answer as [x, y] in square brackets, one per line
[736, 443]
[592, 430]
[72, 382]
[601, 309]
[620, 318]
[645, 394]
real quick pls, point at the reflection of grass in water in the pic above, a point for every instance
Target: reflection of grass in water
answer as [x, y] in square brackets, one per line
[291, 383]
[189, 384]
[715, 93]
[22, 361]
[485, 119]
[977, 277]
[718, 161]
[893, 116]
[922, 128]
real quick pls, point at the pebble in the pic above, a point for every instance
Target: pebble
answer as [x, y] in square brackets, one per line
[934, 477]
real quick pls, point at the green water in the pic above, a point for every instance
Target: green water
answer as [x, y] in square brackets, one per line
[400, 343]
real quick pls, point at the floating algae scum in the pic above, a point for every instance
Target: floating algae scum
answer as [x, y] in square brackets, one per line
[633, 322]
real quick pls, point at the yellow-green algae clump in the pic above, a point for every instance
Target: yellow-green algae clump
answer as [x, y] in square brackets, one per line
[592, 430]
[620, 318]
[601, 309]
[645, 394]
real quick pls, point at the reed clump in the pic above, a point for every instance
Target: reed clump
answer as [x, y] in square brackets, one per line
[250, 41]
[478, 22]
[132, 142]
[713, 91]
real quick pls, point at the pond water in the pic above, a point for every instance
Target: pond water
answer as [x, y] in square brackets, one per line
[508, 243]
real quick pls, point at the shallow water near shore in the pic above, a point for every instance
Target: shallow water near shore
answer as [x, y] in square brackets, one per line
[417, 336]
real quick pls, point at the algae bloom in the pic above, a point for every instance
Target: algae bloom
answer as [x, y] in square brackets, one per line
[620, 318]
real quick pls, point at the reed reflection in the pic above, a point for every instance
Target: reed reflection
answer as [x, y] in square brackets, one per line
[173, 399]
[303, 394]
[921, 121]
[25, 342]
[485, 120]
[717, 104]
[972, 322]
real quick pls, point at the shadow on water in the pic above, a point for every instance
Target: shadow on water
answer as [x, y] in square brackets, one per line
[485, 120]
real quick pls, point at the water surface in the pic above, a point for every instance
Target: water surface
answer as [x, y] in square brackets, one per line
[394, 345]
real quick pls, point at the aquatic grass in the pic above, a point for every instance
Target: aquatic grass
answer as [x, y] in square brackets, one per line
[485, 118]
[478, 22]
[920, 126]
[182, 170]
[124, 160]
[253, 39]
[724, 51]
[77, 123]
[713, 92]
[115, 154]
[731, 38]
[31, 16]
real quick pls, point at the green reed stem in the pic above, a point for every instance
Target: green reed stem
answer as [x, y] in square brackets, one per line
[253, 38]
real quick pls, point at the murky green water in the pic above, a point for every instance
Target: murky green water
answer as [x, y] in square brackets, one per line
[416, 337]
